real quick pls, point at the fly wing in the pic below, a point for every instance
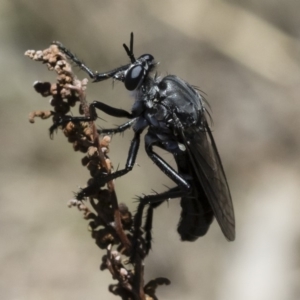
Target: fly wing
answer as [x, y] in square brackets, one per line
[207, 165]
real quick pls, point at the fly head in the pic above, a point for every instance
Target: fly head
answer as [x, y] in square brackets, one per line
[138, 70]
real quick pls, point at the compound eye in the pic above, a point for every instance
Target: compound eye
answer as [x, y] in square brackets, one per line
[134, 77]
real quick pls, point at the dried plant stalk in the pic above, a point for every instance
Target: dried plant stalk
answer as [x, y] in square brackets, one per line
[110, 223]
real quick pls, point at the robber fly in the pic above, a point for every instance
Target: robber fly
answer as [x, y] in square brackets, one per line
[174, 114]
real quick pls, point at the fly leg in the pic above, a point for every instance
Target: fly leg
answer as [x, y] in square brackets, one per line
[182, 188]
[119, 129]
[174, 192]
[94, 75]
[109, 110]
[104, 178]
[132, 153]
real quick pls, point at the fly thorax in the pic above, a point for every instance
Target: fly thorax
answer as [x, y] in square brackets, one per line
[161, 112]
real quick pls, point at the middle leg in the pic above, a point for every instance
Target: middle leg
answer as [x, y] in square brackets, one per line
[112, 111]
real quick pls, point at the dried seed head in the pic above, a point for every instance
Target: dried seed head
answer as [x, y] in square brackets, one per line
[103, 238]
[110, 224]
[126, 216]
[105, 141]
[92, 152]
[40, 114]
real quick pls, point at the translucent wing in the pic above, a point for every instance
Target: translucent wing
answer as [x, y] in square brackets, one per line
[207, 165]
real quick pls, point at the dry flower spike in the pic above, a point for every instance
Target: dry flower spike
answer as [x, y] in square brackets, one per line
[110, 223]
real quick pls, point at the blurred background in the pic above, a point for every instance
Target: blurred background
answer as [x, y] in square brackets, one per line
[245, 56]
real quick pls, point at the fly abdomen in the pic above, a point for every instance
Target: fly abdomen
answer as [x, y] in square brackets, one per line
[196, 216]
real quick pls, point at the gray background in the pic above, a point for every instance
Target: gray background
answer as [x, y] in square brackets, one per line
[245, 56]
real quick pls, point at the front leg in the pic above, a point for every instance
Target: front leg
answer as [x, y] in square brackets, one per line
[94, 75]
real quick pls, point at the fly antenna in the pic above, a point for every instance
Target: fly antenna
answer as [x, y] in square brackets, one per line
[130, 51]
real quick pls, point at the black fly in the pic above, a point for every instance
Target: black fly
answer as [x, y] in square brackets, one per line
[175, 115]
